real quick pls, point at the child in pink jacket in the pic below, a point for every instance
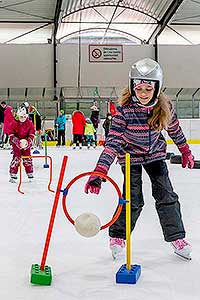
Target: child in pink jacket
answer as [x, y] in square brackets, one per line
[8, 119]
[21, 134]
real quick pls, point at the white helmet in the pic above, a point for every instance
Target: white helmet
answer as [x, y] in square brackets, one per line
[26, 104]
[146, 69]
[22, 113]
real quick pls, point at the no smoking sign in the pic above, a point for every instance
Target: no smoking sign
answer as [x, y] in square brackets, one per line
[96, 53]
[105, 53]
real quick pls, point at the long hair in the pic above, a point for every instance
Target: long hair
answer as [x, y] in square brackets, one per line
[160, 115]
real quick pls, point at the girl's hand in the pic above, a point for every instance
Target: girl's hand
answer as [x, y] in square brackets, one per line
[187, 157]
[93, 185]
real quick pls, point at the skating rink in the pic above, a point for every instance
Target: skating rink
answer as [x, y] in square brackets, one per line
[82, 267]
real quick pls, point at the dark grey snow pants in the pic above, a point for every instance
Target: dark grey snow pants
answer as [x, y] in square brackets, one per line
[166, 202]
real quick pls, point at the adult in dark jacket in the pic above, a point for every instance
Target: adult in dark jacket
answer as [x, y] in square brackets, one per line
[107, 124]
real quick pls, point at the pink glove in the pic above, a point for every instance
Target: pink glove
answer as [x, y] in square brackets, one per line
[14, 141]
[187, 157]
[93, 184]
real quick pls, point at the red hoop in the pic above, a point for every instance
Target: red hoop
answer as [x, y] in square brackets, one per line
[119, 208]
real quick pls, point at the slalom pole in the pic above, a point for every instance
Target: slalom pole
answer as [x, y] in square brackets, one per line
[50, 171]
[128, 212]
[128, 273]
[53, 213]
[34, 120]
[20, 177]
[46, 165]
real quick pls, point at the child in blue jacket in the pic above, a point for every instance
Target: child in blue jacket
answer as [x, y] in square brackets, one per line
[60, 124]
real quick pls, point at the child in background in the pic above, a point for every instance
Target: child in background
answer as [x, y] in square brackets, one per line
[21, 134]
[2, 108]
[95, 118]
[60, 123]
[8, 118]
[143, 113]
[78, 125]
[107, 124]
[89, 133]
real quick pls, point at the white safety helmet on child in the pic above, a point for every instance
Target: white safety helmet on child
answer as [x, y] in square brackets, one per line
[22, 113]
[148, 71]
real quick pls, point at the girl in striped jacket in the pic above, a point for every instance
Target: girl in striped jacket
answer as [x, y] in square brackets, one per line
[137, 129]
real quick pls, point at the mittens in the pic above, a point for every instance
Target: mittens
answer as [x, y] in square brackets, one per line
[187, 157]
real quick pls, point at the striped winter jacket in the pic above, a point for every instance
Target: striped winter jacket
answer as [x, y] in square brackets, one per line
[131, 133]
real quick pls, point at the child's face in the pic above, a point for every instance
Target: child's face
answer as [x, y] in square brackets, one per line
[144, 93]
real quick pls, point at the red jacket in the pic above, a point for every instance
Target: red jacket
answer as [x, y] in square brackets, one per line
[78, 121]
[8, 118]
[21, 130]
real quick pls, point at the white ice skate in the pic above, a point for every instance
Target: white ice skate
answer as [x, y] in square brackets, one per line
[182, 248]
[117, 247]
[13, 178]
[6, 146]
[30, 177]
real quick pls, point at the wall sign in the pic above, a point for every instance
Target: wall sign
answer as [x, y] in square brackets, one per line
[105, 53]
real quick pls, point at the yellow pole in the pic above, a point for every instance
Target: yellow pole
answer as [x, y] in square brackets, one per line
[34, 120]
[128, 212]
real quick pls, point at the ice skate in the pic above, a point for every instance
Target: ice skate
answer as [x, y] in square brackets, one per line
[6, 146]
[182, 248]
[80, 146]
[117, 247]
[13, 178]
[30, 177]
[74, 146]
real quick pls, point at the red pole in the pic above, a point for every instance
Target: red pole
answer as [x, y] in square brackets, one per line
[20, 177]
[53, 213]
[50, 171]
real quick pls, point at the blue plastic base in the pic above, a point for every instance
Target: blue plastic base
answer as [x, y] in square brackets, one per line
[46, 166]
[36, 152]
[128, 276]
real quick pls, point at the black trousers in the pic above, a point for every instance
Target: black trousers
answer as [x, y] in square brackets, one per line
[61, 136]
[166, 202]
[78, 139]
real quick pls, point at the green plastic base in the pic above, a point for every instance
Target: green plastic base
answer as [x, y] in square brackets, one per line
[42, 277]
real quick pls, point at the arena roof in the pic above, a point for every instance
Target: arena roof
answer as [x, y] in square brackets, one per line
[142, 21]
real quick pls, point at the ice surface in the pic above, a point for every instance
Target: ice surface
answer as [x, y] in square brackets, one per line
[82, 267]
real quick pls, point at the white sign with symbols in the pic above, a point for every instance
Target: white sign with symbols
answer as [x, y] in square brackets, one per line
[105, 53]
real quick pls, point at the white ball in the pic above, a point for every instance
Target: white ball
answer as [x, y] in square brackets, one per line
[23, 143]
[87, 224]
